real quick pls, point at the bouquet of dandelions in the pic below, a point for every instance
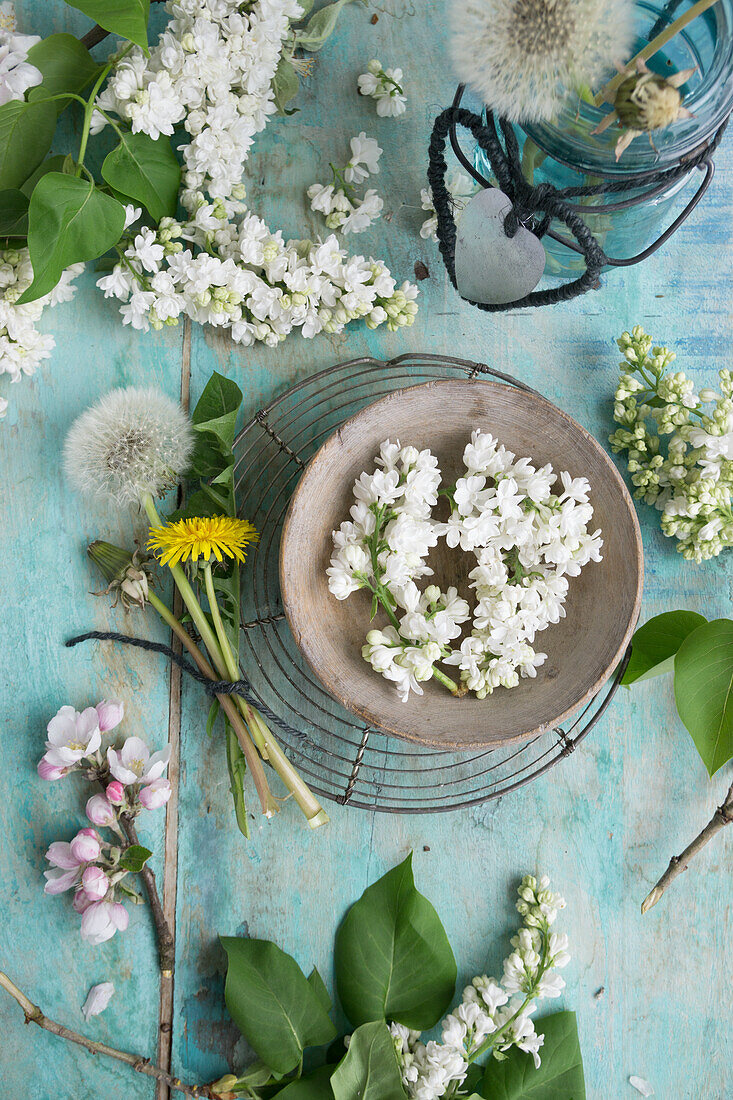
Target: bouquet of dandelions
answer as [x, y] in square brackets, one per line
[527, 542]
[688, 475]
[131, 448]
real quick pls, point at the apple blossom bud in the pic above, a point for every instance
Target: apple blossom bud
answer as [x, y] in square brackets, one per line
[100, 811]
[81, 901]
[111, 712]
[85, 846]
[155, 794]
[115, 793]
[95, 882]
[46, 770]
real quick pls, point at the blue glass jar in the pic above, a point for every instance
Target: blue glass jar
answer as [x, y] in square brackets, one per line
[565, 153]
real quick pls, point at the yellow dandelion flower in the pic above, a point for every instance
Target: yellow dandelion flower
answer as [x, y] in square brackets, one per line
[200, 538]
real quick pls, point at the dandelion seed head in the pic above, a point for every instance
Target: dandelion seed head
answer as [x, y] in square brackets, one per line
[131, 442]
[523, 57]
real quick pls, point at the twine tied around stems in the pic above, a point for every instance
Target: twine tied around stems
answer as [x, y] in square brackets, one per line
[211, 687]
[533, 206]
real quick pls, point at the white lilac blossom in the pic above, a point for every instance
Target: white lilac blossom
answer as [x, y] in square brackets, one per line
[341, 207]
[22, 346]
[527, 539]
[252, 283]
[132, 442]
[680, 456]
[460, 189]
[524, 58]
[17, 75]
[127, 782]
[494, 1015]
[386, 87]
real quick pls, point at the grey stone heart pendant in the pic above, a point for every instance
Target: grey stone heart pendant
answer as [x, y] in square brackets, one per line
[492, 268]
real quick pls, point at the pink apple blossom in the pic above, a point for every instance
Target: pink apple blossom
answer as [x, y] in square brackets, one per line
[47, 770]
[115, 793]
[85, 846]
[155, 794]
[100, 811]
[110, 713]
[59, 854]
[94, 882]
[72, 736]
[102, 919]
[82, 901]
[58, 881]
[134, 764]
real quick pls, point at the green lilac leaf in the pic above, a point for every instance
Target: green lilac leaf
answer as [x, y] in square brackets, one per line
[315, 1086]
[69, 220]
[559, 1077]
[13, 214]
[317, 984]
[26, 132]
[254, 1077]
[51, 164]
[393, 959]
[237, 768]
[306, 5]
[285, 85]
[145, 170]
[320, 27]
[654, 644]
[134, 858]
[127, 18]
[703, 690]
[272, 1004]
[66, 66]
[369, 1070]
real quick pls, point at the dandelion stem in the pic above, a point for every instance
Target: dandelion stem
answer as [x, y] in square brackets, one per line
[33, 1015]
[260, 731]
[227, 705]
[656, 44]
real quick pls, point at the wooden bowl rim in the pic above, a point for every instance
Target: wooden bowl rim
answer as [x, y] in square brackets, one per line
[364, 713]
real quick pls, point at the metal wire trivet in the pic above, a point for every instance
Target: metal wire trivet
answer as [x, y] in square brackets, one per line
[340, 757]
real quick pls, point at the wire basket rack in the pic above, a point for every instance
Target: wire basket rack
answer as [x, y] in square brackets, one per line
[341, 757]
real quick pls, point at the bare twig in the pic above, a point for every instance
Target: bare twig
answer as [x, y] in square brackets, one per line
[722, 817]
[33, 1015]
[166, 944]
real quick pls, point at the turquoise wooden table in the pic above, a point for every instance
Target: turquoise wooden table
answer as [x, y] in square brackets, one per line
[652, 993]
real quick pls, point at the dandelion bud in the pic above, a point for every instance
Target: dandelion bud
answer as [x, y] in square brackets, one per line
[126, 574]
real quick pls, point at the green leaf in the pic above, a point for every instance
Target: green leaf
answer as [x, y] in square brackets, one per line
[55, 163]
[560, 1076]
[317, 984]
[127, 18]
[237, 767]
[306, 5]
[217, 408]
[369, 1070]
[703, 690]
[285, 85]
[69, 220]
[655, 643]
[320, 27]
[13, 214]
[316, 1086]
[26, 132]
[147, 171]
[134, 858]
[212, 717]
[272, 1004]
[393, 959]
[66, 65]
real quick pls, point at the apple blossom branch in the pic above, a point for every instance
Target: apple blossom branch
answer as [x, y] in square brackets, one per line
[166, 942]
[34, 1015]
[722, 817]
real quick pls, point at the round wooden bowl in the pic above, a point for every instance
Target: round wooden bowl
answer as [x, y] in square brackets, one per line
[602, 605]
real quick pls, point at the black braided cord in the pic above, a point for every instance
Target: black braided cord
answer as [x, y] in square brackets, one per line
[528, 200]
[211, 687]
